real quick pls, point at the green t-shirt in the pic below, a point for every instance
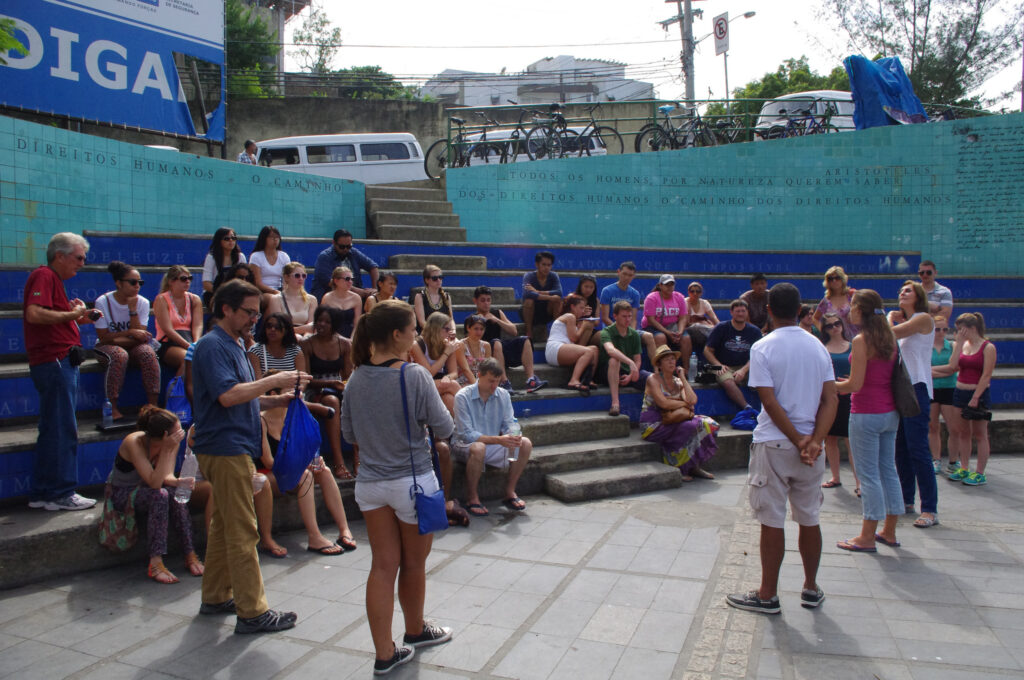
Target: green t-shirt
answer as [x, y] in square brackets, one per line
[628, 344]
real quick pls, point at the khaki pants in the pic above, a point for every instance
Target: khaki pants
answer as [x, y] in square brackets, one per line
[232, 563]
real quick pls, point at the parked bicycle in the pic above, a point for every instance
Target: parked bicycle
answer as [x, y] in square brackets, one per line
[551, 137]
[595, 136]
[462, 150]
[692, 130]
[805, 123]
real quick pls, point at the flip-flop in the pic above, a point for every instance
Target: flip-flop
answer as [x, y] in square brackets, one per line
[831, 484]
[581, 388]
[347, 542]
[885, 541]
[852, 547]
[923, 522]
[613, 411]
[328, 550]
[515, 504]
[278, 553]
[476, 510]
[857, 491]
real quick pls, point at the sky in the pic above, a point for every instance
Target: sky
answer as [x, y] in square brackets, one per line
[465, 36]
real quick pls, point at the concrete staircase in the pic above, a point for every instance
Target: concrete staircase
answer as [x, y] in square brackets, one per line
[411, 213]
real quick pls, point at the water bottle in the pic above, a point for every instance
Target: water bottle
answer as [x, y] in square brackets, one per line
[516, 430]
[108, 414]
[692, 375]
[189, 468]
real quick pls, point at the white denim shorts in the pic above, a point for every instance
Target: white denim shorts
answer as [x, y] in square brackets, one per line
[394, 493]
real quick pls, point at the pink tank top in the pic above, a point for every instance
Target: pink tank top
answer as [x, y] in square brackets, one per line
[178, 322]
[971, 366]
[875, 395]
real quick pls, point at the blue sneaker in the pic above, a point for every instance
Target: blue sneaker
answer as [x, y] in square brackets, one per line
[974, 479]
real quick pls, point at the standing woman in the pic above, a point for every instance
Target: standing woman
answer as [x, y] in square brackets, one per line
[975, 357]
[342, 298]
[122, 336]
[374, 416]
[276, 347]
[838, 348]
[179, 317]
[432, 298]
[943, 384]
[915, 330]
[329, 357]
[294, 301]
[387, 283]
[224, 253]
[268, 261]
[873, 422]
[564, 349]
[837, 300]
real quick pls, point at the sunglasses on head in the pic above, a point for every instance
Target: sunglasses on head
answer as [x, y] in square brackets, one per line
[185, 278]
[134, 282]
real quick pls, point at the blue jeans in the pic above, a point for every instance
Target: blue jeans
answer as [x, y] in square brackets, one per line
[55, 468]
[914, 456]
[873, 443]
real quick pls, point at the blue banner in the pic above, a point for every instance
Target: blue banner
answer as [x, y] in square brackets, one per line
[111, 61]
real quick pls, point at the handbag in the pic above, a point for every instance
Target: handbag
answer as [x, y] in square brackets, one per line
[975, 413]
[431, 515]
[118, 530]
[300, 443]
[903, 392]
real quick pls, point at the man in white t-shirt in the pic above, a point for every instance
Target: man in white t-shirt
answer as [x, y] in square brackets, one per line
[792, 373]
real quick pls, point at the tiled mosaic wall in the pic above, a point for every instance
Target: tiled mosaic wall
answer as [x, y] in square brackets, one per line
[54, 180]
[950, 190]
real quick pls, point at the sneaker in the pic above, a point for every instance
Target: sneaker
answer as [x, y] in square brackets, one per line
[225, 607]
[269, 621]
[535, 383]
[937, 466]
[952, 467]
[752, 602]
[71, 502]
[809, 599]
[402, 655]
[432, 635]
[506, 385]
[975, 479]
[959, 475]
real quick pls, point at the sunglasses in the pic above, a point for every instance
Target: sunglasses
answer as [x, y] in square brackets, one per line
[833, 277]
[298, 275]
[941, 330]
[341, 247]
[185, 278]
[925, 272]
[835, 324]
[695, 290]
[228, 238]
[134, 282]
[437, 277]
[342, 278]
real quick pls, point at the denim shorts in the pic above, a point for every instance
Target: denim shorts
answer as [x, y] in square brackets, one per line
[963, 397]
[394, 493]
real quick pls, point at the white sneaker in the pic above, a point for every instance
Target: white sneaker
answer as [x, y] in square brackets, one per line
[71, 502]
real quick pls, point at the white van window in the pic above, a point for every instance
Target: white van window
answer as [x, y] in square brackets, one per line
[279, 156]
[389, 151]
[335, 153]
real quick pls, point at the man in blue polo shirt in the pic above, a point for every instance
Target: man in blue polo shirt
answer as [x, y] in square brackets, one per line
[227, 438]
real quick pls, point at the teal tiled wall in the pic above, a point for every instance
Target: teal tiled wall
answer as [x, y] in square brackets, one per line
[54, 180]
[950, 190]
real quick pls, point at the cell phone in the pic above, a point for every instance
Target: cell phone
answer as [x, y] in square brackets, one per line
[95, 315]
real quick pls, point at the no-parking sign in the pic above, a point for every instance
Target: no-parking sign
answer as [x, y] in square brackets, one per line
[721, 26]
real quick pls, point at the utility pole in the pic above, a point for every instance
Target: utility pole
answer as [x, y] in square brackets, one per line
[686, 28]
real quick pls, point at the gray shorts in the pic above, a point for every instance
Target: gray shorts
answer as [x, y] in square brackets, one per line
[495, 455]
[776, 474]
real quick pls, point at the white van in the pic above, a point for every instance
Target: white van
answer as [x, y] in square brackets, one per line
[775, 112]
[378, 158]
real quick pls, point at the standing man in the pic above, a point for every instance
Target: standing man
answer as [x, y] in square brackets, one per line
[542, 293]
[792, 373]
[940, 298]
[227, 438]
[757, 300]
[619, 361]
[343, 254]
[622, 290]
[513, 351]
[728, 352]
[54, 353]
[483, 419]
[248, 155]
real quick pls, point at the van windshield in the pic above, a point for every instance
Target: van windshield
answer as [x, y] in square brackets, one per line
[335, 153]
[389, 151]
[279, 156]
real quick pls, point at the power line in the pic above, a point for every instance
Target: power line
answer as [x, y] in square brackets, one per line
[451, 47]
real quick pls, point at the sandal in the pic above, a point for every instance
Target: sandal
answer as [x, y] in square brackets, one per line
[923, 522]
[477, 510]
[581, 388]
[515, 504]
[702, 473]
[341, 473]
[347, 542]
[614, 410]
[831, 484]
[161, 574]
[194, 564]
[277, 552]
[857, 491]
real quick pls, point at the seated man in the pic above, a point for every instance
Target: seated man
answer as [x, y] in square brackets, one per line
[728, 352]
[510, 352]
[619, 362]
[622, 290]
[542, 293]
[481, 437]
[757, 300]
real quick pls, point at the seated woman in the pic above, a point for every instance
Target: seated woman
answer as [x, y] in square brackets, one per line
[474, 347]
[268, 261]
[563, 347]
[341, 297]
[179, 317]
[240, 271]
[276, 347]
[437, 351]
[700, 319]
[586, 288]
[224, 253]
[387, 284]
[122, 337]
[272, 422]
[432, 299]
[665, 313]
[145, 465]
[687, 440]
[329, 357]
[294, 301]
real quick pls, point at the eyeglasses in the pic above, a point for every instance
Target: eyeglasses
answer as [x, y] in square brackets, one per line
[299, 275]
[833, 277]
[253, 313]
[342, 247]
[926, 272]
[436, 277]
[834, 324]
[342, 278]
[185, 278]
[228, 238]
[134, 282]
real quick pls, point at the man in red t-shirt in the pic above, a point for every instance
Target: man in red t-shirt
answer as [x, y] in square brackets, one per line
[51, 332]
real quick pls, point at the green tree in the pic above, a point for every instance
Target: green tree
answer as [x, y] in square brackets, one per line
[949, 48]
[370, 82]
[318, 42]
[793, 75]
[7, 40]
[250, 50]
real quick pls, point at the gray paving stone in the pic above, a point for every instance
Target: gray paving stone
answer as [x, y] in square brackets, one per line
[644, 663]
[676, 595]
[816, 668]
[634, 591]
[613, 623]
[540, 579]
[533, 657]
[662, 631]
[989, 656]
[587, 659]
[476, 644]
[61, 664]
[921, 672]
[565, 618]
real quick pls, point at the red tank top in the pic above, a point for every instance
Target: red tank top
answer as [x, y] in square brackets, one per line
[971, 366]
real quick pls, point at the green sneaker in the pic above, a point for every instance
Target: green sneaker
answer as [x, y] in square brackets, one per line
[952, 467]
[974, 479]
[959, 475]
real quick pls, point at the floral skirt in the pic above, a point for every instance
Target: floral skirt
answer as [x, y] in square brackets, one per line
[684, 445]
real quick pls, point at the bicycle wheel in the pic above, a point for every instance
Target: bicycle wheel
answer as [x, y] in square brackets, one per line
[436, 159]
[543, 142]
[571, 143]
[654, 139]
[607, 138]
[640, 132]
[704, 136]
[486, 152]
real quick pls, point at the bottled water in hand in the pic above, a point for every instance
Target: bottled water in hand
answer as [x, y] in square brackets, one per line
[516, 430]
[189, 468]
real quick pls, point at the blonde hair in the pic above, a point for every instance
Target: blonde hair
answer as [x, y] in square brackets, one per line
[836, 271]
[434, 332]
[173, 272]
[337, 272]
[291, 268]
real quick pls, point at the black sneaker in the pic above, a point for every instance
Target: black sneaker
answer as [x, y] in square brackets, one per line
[809, 599]
[225, 607]
[752, 602]
[431, 635]
[402, 655]
[269, 621]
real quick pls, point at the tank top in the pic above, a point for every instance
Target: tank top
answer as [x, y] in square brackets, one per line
[474, 362]
[917, 355]
[649, 403]
[324, 368]
[558, 332]
[875, 395]
[430, 360]
[269, 362]
[972, 365]
[429, 307]
[941, 359]
[840, 363]
[346, 321]
[124, 473]
[178, 322]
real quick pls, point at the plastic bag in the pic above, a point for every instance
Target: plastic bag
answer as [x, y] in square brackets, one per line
[177, 401]
[300, 443]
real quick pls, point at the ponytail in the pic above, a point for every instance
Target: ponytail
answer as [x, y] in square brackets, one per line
[155, 422]
[377, 327]
[873, 325]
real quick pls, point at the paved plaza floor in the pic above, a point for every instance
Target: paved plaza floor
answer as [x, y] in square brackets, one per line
[622, 588]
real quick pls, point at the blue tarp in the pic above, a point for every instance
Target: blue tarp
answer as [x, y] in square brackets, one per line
[882, 93]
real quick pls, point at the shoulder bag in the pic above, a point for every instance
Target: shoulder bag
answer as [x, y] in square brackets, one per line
[903, 392]
[118, 530]
[430, 508]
